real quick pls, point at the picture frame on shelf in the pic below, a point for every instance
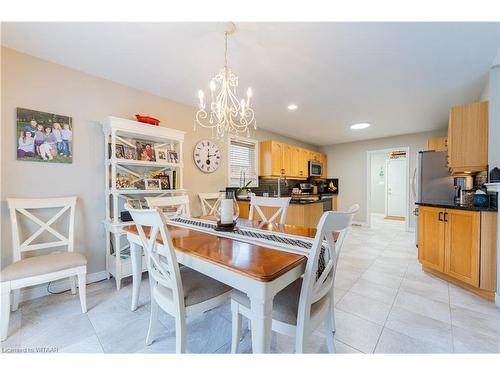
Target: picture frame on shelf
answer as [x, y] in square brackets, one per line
[145, 151]
[164, 182]
[173, 157]
[130, 153]
[135, 203]
[119, 151]
[152, 184]
[161, 154]
[124, 181]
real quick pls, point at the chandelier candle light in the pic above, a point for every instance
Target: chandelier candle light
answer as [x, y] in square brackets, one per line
[226, 113]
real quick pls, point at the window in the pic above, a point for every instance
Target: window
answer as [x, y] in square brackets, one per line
[242, 162]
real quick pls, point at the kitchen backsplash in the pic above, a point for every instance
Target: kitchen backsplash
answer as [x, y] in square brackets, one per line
[270, 185]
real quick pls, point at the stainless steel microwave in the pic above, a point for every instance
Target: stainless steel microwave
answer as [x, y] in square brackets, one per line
[315, 168]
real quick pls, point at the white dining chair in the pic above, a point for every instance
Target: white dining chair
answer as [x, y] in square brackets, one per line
[208, 208]
[256, 203]
[180, 292]
[39, 269]
[171, 206]
[307, 302]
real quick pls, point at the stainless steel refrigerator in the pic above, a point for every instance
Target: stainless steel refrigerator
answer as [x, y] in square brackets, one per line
[432, 182]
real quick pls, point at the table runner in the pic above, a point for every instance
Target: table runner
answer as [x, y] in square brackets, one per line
[280, 241]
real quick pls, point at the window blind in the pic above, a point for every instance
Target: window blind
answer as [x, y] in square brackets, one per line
[242, 156]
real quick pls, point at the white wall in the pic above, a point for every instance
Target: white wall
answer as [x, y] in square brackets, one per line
[347, 162]
[494, 118]
[33, 83]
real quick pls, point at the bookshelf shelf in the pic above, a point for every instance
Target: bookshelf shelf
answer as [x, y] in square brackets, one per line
[122, 131]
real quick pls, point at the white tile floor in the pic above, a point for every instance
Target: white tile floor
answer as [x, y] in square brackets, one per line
[384, 304]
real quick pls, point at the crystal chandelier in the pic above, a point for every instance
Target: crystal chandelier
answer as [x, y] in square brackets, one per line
[226, 113]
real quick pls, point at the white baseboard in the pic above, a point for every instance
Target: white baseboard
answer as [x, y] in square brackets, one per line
[57, 286]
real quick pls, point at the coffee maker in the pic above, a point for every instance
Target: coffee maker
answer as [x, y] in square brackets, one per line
[464, 190]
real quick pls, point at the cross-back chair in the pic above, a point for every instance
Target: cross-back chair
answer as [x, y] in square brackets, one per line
[180, 292]
[171, 206]
[307, 302]
[208, 208]
[38, 269]
[257, 203]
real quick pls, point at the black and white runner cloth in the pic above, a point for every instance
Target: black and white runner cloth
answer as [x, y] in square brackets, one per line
[281, 241]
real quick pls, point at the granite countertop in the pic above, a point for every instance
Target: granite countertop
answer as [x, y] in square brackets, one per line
[294, 201]
[456, 206]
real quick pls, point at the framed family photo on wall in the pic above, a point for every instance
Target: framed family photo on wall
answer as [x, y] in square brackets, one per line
[44, 137]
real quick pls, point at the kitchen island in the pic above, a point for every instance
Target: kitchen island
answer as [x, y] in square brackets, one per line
[306, 213]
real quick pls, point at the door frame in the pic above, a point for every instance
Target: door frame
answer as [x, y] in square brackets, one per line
[369, 154]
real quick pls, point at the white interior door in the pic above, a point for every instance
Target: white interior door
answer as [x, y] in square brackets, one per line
[396, 187]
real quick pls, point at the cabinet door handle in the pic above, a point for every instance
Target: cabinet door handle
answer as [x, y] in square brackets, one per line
[446, 216]
[440, 216]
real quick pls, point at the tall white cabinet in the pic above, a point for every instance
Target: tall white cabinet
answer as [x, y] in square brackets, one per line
[124, 133]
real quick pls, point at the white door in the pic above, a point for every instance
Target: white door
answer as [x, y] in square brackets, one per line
[396, 187]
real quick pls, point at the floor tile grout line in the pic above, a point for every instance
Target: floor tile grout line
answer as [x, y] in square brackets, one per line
[95, 332]
[451, 320]
[392, 306]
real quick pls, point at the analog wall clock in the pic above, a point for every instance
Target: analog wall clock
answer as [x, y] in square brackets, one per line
[206, 156]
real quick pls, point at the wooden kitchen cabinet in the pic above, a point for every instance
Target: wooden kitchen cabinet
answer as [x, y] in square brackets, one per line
[458, 246]
[276, 157]
[303, 163]
[468, 138]
[271, 158]
[462, 245]
[437, 144]
[431, 237]
[323, 160]
[306, 215]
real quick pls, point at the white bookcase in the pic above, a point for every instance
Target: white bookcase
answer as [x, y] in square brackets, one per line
[125, 132]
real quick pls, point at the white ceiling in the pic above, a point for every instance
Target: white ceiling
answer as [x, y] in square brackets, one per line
[401, 77]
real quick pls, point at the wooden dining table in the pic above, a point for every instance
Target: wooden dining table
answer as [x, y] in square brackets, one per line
[260, 272]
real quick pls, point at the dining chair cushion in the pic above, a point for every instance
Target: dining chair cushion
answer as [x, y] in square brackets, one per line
[42, 264]
[196, 286]
[285, 303]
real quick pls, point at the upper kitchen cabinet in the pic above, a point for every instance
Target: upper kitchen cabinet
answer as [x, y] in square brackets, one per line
[271, 158]
[323, 160]
[278, 158]
[468, 138]
[437, 144]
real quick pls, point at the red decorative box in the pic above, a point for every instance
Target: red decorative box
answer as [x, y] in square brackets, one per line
[148, 120]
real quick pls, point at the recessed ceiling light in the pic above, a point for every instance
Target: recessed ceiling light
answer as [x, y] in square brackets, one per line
[292, 107]
[361, 125]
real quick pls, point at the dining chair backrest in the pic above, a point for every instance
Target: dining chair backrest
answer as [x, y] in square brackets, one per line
[318, 282]
[256, 203]
[23, 206]
[179, 205]
[161, 261]
[208, 208]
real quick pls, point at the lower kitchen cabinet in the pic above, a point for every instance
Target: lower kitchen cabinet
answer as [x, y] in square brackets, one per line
[307, 215]
[460, 246]
[431, 237]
